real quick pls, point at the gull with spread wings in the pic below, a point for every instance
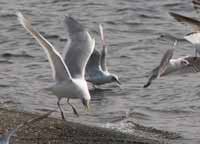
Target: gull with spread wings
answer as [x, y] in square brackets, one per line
[96, 69]
[194, 36]
[69, 74]
[169, 66]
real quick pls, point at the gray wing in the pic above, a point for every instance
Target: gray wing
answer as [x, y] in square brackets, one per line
[93, 65]
[187, 20]
[60, 71]
[153, 75]
[159, 70]
[10, 133]
[165, 60]
[104, 49]
[79, 47]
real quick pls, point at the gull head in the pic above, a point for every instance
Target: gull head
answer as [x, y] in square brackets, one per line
[184, 62]
[114, 78]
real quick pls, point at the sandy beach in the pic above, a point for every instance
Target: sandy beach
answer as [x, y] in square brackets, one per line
[54, 131]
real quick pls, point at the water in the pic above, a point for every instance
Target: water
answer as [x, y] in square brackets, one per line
[137, 33]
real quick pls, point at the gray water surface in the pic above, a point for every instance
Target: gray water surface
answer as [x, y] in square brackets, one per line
[137, 34]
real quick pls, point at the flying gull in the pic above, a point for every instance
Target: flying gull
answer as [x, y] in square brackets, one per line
[194, 36]
[169, 66]
[69, 77]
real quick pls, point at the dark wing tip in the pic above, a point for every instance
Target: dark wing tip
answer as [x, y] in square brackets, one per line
[72, 25]
[178, 17]
[196, 2]
[175, 15]
[147, 84]
[172, 13]
[186, 20]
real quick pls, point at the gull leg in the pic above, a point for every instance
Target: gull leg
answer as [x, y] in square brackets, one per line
[73, 108]
[62, 114]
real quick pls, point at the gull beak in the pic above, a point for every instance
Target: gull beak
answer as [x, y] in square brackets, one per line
[86, 104]
[118, 81]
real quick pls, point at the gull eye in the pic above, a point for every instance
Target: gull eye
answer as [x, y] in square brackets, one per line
[184, 62]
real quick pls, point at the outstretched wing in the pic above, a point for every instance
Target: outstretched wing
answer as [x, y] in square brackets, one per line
[165, 60]
[153, 75]
[159, 70]
[93, 65]
[79, 47]
[60, 71]
[187, 20]
[104, 49]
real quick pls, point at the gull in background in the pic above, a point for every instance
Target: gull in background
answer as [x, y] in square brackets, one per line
[196, 5]
[5, 137]
[194, 36]
[169, 66]
[96, 69]
[69, 76]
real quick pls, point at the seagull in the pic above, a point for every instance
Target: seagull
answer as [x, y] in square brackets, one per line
[194, 36]
[69, 77]
[96, 69]
[5, 137]
[169, 66]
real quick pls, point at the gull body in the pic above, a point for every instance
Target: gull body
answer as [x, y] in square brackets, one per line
[169, 66]
[96, 69]
[69, 75]
[101, 77]
[73, 90]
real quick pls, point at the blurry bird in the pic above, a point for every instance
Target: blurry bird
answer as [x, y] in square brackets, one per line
[169, 66]
[194, 36]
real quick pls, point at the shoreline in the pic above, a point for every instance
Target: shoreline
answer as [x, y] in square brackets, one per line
[55, 131]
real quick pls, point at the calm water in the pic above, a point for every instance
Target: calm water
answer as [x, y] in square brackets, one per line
[137, 33]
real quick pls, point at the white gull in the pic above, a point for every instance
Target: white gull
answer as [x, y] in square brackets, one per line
[69, 77]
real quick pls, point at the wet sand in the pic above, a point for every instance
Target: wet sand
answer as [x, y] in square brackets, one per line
[54, 131]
